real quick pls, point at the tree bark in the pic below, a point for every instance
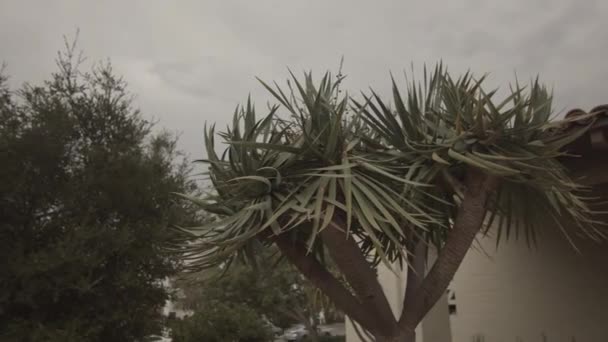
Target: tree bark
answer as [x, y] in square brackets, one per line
[319, 276]
[468, 222]
[359, 273]
[416, 269]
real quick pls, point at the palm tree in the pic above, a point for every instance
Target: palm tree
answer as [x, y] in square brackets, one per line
[363, 182]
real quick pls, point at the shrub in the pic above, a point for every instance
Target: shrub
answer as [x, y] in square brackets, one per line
[221, 323]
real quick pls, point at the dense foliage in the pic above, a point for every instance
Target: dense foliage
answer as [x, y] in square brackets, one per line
[221, 322]
[364, 179]
[381, 168]
[275, 291]
[84, 208]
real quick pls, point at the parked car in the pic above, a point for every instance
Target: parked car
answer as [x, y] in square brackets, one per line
[336, 329]
[299, 332]
[289, 336]
[295, 333]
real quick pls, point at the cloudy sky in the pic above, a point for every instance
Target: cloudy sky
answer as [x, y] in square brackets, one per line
[193, 61]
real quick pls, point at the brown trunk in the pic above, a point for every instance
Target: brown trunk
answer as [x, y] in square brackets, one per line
[359, 273]
[416, 269]
[320, 277]
[467, 224]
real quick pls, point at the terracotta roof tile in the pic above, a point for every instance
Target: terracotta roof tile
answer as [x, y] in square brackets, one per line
[602, 109]
[585, 119]
[596, 138]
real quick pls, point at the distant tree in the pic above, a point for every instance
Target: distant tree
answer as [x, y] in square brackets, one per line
[84, 208]
[220, 323]
[360, 182]
[275, 291]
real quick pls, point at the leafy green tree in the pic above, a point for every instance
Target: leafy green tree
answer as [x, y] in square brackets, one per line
[279, 293]
[220, 323]
[364, 182]
[84, 208]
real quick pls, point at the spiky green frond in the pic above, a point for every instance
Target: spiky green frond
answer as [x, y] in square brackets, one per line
[390, 171]
[455, 124]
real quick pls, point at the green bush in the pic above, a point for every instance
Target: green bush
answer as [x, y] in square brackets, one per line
[221, 323]
[84, 208]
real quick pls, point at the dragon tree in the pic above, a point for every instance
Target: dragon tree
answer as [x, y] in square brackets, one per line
[362, 181]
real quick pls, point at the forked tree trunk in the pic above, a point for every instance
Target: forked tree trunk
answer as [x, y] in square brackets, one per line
[467, 224]
[367, 304]
[419, 300]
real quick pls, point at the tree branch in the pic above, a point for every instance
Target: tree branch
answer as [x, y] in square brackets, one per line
[359, 273]
[467, 224]
[415, 273]
[314, 271]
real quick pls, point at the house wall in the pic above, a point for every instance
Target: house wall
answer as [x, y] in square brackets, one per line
[518, 294]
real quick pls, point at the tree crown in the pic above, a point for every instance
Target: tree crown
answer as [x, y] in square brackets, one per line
[385, 173]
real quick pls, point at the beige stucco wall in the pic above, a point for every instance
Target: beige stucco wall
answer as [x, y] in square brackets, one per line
[515, 292]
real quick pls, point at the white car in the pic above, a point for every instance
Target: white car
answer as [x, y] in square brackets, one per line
[335, 329]
[289, 336]
[299, 331]
[295, 333]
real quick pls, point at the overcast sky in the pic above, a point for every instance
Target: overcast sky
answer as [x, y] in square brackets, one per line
[193, 61]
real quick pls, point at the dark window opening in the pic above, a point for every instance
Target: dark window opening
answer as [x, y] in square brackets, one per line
[452, 309]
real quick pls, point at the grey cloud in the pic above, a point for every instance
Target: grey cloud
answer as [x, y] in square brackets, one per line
[566, 32]
[193, 61]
